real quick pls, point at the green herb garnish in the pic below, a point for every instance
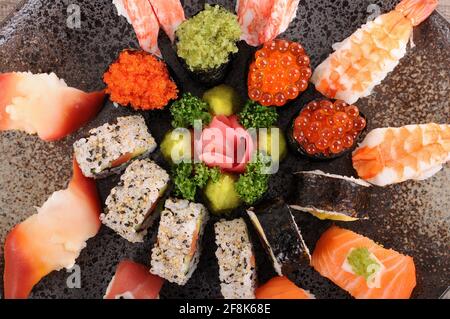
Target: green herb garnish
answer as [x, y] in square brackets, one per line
[254, 115]
[203, 173]
[187, 177]
[188, 109]
[362, 262]
[182, 179]
[252, 185]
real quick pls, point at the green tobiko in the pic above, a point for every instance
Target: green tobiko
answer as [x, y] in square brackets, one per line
[206, 40]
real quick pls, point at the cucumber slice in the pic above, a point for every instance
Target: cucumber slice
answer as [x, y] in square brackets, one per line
[278, 151]
[221, 196]
[222, 100]
[176, 146]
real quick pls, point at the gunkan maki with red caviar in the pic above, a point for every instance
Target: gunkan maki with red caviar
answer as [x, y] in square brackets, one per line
[279, 73]
[324, 129]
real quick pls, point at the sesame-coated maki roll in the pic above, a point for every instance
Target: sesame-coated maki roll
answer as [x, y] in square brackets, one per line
[130, 207]
[329, 196]
[177, 250]
[280, 236]
[111, 147]
[237, 270]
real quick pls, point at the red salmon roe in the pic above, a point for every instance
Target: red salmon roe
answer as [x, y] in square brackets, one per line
[328, 128]
[279, 73]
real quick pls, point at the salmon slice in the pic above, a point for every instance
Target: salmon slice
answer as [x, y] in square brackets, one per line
[281, 288]
[263, 20]
[53, 238]
[394, 276]
[133, 281]
[145, 23]
[43, 104]
[170, 15]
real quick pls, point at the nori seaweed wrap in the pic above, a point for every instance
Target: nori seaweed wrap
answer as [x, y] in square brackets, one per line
[209, 77]
[280, 236]
[329, 196]
[207, 43]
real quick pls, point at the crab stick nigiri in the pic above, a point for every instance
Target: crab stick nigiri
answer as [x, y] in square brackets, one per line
[281, 288]
[170, 14]
[393, 155]
[43, 104]
[363, 268]
[263, 20]
[53, 238]
[364, 59]
[133, 281]
[144, 21]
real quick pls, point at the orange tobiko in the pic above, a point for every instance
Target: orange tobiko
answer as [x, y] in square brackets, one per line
[140, 80]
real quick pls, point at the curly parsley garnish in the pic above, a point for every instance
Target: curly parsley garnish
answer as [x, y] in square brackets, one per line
[254, 115]
[252, 185]
[188, 109]
[188, 177]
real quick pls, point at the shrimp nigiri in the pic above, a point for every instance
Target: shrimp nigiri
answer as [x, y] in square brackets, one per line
[363, 268]
[30, 102]
[145, 23]
[281, 288]
[364, 59]
[393, 155]
[133, 281]
[170, 14]
[263, 20]
[53, 238]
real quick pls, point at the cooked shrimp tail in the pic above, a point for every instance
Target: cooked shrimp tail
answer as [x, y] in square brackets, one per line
[416, 10]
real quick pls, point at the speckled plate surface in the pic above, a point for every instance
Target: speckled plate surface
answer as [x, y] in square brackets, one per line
[412, 217]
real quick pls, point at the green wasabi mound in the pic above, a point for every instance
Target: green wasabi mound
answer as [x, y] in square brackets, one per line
[362, 263]
[221, 194]
[222, 100]
[206, 40]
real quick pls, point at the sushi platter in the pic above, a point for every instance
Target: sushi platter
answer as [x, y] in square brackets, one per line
[229, 149]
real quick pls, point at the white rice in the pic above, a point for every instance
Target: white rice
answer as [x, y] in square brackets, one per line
[234, 253]
[130, 204]
[107, 143]
[171, 255]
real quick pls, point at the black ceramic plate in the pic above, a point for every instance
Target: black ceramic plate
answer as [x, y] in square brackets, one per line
[412, 217]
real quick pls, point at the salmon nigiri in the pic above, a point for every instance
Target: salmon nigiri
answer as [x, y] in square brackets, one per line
[364, 59]
[263, 20]
[43, 104]
[145, 23]
[53, 238]
[170, 14]
[281, 288]
[393, 155]
[363, 268]
[133, 281]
